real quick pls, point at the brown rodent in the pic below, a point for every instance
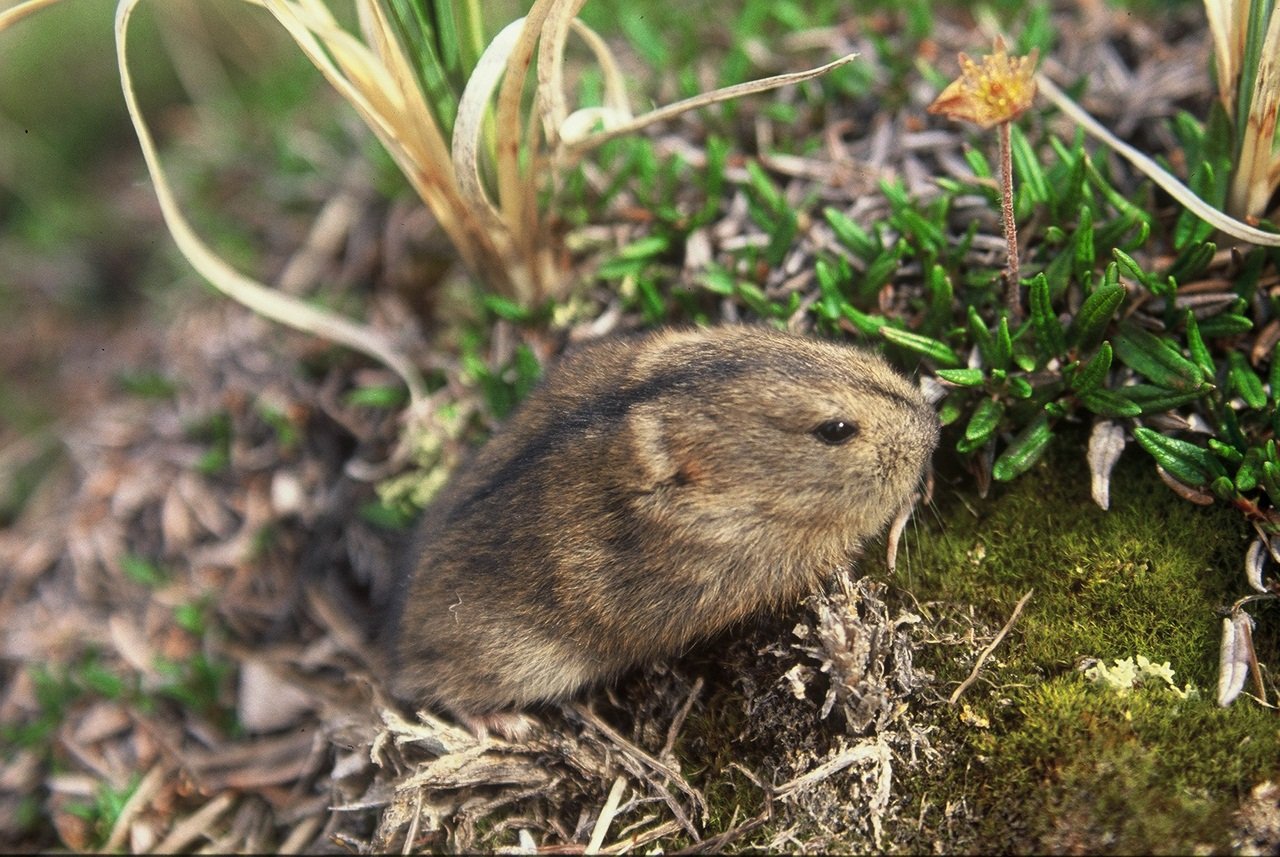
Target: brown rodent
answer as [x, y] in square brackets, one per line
[649, 493]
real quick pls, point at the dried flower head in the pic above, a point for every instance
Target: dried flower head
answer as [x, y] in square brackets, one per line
[997, 91]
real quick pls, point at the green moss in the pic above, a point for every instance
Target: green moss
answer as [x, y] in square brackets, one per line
[1044, 759]
[1142, 578]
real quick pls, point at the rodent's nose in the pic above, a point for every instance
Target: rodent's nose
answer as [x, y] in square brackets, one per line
[911, 447]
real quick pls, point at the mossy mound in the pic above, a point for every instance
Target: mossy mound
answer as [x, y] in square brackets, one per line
[1037, 756]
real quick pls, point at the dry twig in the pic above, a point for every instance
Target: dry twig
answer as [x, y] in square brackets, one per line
[986, 653]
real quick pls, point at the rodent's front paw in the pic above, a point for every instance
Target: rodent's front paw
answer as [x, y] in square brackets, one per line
[511, 725]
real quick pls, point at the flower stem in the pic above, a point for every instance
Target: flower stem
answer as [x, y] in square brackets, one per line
[1013, 288]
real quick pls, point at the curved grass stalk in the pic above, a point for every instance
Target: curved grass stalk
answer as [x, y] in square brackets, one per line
[253, 294]
[9, 17]
[1155, 172]
[670, 111]
[551, 88]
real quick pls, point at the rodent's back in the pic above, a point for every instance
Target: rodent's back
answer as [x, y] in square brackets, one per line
[648, 493]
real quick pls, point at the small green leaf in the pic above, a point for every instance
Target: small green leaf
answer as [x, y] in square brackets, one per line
[1271, 481]
[1024, 451]
[1002, 353]
[828, 306]
[141, 570]
[1225, 451]
[1242, 378]
[1250, 472]
[1050, 338]
[978, 163]
[378, 396]
[1195, 344]
[1027, 166]
[1083, 254]
[1090, 376]
[1090, 324]
[1184, 461]
[1274, 380]
[1225, 324]
[386, 516]
[1129, 266]
[867, 325]
[981, 335]
[1111, 276]
[884, 266]
[765, 190]
[1223, 488]
[1156, 400]
[719, 281]
[1108, 404]
[851, 234]
[949, 411]
[963, 377]
[1275, 373]
[1020, 388]
[508, 309]
[147, 384]
[1157, 358]
[939, 352]
[983, 424]
[1193, 261]
[1129, 211]
[941, 295]
[191, 617]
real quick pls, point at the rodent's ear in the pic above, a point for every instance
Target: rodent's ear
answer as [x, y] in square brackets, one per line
[660, 457]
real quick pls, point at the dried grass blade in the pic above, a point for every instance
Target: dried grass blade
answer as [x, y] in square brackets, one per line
[420, 135]
[705, 99]
[1154, 171]
[514, 195]
[1106, 443]
[300, 840]
[1254, 560]
[398, 116]
[468, 126]
[141, 796]
[196, 825]
[555, 32]
[616, 108]
[991, 647]
[1234, 657]
[249, 292]
[9, 17]
[1255, 174]
[876, 751]
[1228, 20]
[607, 813]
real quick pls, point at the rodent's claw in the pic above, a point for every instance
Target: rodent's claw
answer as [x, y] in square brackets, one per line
[511, 725]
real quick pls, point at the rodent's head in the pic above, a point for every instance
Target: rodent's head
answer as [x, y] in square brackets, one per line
[759, 429]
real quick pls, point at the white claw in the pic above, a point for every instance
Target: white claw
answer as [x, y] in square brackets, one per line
[1254, 560]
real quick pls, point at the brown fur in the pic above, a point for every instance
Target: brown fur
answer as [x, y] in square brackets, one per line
[650, 493]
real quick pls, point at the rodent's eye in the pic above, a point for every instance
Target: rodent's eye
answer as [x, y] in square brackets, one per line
[835, 431]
